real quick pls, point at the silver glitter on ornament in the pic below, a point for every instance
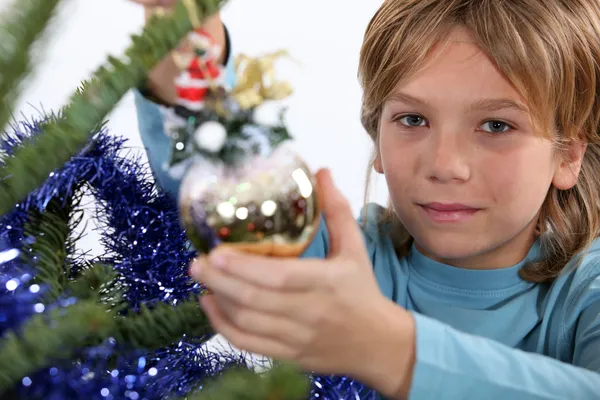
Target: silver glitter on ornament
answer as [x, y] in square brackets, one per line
[267, 205]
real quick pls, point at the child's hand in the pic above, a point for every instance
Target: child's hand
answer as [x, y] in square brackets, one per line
[327, 315]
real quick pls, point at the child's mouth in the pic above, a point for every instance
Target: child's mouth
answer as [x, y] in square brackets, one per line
[448, 212]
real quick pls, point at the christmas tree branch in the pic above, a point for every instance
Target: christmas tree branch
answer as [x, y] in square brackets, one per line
[53, 335]
[280, 383]
[63, 138]
[52, 244]
[163, 325]
[97, 281]
[22, 25]
[57, 334]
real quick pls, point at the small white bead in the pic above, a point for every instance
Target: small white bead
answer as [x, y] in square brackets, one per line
[211, 136]
[267, 114]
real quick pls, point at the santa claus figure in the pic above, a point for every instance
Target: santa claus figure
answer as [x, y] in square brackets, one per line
[201, 70]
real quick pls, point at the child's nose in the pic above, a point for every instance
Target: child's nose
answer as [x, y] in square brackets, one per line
[446, 158]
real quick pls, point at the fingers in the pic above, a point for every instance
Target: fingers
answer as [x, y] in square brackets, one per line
[276, 273]
[245, 293]
[241, 339]
[259, 323]
[345, 235]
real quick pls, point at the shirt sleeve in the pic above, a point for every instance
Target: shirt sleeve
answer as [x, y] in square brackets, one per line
[454, 365]
[319, 246]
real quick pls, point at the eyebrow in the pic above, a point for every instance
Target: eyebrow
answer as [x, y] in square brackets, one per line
[482, 105]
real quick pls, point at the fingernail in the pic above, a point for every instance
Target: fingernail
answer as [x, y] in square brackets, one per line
[196, 268]
[325, 176]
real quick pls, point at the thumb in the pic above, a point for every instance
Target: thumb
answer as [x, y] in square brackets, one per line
[344, 233]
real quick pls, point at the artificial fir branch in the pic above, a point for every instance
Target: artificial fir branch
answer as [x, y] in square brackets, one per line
[45, 337]
[283, 382]
[50, 231]
[64, 137]
[162, 325]
[96, 281]
[58, 334]
[22, 25]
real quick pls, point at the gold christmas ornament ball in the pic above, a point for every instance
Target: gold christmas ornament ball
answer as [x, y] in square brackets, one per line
[266, 205]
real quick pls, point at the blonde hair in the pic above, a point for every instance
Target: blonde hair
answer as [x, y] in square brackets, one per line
[549, 50]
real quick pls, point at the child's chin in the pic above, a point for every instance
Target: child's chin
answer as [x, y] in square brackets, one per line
[451, 249]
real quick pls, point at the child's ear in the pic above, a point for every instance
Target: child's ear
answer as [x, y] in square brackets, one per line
[569, 166]
[377, 165]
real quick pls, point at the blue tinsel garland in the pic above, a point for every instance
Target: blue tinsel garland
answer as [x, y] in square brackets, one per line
[140, 230]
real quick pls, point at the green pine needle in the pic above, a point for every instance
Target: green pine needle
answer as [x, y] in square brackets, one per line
[61, 139]
[21, 26]
[163, 325]
[52, 244]
[97, 281]
[58, 334]
[283, 382]
[50, 336]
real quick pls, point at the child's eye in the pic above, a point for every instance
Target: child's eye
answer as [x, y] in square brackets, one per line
[412, 120]
[495, 127]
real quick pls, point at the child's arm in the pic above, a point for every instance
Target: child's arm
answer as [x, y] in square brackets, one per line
[454, 365]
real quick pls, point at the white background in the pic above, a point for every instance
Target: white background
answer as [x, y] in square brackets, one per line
[323, 36]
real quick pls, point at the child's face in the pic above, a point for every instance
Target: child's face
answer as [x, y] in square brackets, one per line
[466, 171]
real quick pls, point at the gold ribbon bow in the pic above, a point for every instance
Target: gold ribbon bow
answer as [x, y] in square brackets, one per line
[256, 81]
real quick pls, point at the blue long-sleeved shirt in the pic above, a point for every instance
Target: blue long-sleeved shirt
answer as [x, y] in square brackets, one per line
[480, 334]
